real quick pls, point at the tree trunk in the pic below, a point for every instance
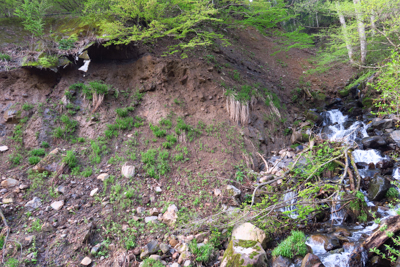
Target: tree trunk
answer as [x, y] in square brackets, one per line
[345, 33]
[361, 31]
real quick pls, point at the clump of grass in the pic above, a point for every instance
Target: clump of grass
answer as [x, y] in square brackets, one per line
[37, 152]
[45, 144]
[70, 159]
[157, 131]
[27, 106]
[5, 57]
[392, 193]
[203, 253]
[34, 160]
[293, 245]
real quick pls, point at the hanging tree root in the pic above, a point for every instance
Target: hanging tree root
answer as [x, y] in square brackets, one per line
[353, 163]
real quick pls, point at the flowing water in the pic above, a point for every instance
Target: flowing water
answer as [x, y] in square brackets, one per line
[337, 127]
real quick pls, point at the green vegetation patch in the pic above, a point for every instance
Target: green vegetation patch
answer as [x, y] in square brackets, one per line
[293, 245]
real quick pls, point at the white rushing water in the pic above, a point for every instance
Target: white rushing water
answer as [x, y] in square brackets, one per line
[367, 156]
[334, 120]
[291, 209]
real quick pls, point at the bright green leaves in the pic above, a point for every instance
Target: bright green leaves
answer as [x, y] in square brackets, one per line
[32, 13]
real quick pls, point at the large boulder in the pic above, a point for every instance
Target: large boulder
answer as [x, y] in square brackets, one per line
[171, 215]
[380, 124]
[244, 253]
[395, 135]
[311, 260]
[249, 232]
[329, 242]
[378, 187]
[377, 142]
[314, 116]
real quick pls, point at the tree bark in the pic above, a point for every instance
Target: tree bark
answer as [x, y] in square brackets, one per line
[345, 33]
[361, 31]
[379, 237]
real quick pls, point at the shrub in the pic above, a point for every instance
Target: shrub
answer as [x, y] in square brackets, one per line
[203, 253]
[171, 139]
[293, 245]
[38, 152]
[11, 262]
[87, 172]
[33, 160]
[27, 106]
[99, 87]
[122, 112]
[157, 131]
[70, 159]
[124, 123]
[152, 263]
[15, 159]
[392, 193]
[5, 57]
[45, 144]
[66, 44]
[166, 122]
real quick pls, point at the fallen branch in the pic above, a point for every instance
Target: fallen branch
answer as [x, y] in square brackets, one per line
[379, 237]
[353, 163]
[7, 228]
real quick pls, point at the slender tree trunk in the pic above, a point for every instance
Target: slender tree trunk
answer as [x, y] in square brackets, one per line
[361, 31]
[373, 26]
[316, 18]
[345, 33]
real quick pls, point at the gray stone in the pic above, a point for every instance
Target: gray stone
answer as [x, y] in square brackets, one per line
[171, 215]
[34, 203]
[9, 182]
[187, 263]
[151, 248]
[86, 261]
[155, 257]
[96, 249]
[140, 210]
[382, 124]
[128, 171]
[233, 191]
[164, 248]
[103, 176]
[151, 219]
[281, 262]
[61, 189]
[175, 264]
[314, 116]
[311, 260]
[329, 242]
[158, 190]
[249, 253]
[378, 187]
[395, 135]
[373, 142]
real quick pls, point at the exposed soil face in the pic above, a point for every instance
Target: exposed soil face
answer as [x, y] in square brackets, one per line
[205, 158]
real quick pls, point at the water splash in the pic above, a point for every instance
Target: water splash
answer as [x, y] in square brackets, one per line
[290, 210]
[367, 156]
[337, 214]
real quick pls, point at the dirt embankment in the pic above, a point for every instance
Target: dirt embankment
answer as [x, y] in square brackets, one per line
[185, 98]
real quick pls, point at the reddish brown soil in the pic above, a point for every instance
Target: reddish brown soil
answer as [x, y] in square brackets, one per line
[188, 88]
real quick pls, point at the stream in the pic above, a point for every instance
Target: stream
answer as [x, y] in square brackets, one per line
[340, 128]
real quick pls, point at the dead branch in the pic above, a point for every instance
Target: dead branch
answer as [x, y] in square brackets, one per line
[7, 228]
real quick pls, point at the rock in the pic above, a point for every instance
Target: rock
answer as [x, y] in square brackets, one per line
[244, 253]
[281, 262]
[81, 235]
[171, 215]
[34, 203]
[395, 135]
[373, 142]
[52, 162]
[164, 248]
[175, 264]
[128, 171]
[86, 261]
[3, 148]
[182, 248]
[8, 200]
[233, 191]
[23, 186]
[151, 219]
[187, 263]
[378, 187]
[248, 231]
[158, 190]
[173, 242]
[94, 192]
[377, 261]
[140, 210]
[9, 182]
[103, 176]
[46, 227]
[57, 205]
[200, 237]
[329, 242]
[381, 124]
[155, 257]
[355, 258]
[311, 260]
[314, 116]
[185, 255]
[96, 249]
[151, 248]
[154, 212]
[61, 189]
[217, 192]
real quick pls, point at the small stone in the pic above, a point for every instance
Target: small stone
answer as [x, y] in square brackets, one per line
[103, 176]
[8, 200]
[23, 186]
[187, 263]
[175, 264]
[9, 183]
[94, 192]
[61, 189]
[57, 205]
[154, 212]
[171, 215]
[152, 219]
[128, 171]
[233, 191]
[34, 203]
[164, 248]
[86, 261]
[158, 190]
[200, 237]
[136, 218]
[217, 192]
[155, 257]
[140, 210]
[173, 242]
[3, 148]
[95, 249]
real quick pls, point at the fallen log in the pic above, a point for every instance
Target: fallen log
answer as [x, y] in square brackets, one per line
[379, 237]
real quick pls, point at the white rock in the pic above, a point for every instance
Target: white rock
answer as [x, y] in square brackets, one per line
[248, 231]
[57, 205]
[217, 192]
[103, 176]
[86, 261]
[152, 219]
[175, 264]
[128, 171]
[158, 189]
[3, 148]
[94, 192]
[171, 215]
[233, 191]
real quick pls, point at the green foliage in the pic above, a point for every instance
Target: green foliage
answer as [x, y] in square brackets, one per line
[15, 158]
[122, 112]
[293, 245]
[202, 253]
[66, 44]
[45, 61]
[45, 144]
[32, 12]
[4, 57]
[27, 106]
[155, 162]
[99, 87]
[70, 159]
[37, 152]
[34, 160]
[392, 193]
[11, 262]
[36, 226]
[157, 131]
[87, 172]
[68, 129]
[152, 263]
